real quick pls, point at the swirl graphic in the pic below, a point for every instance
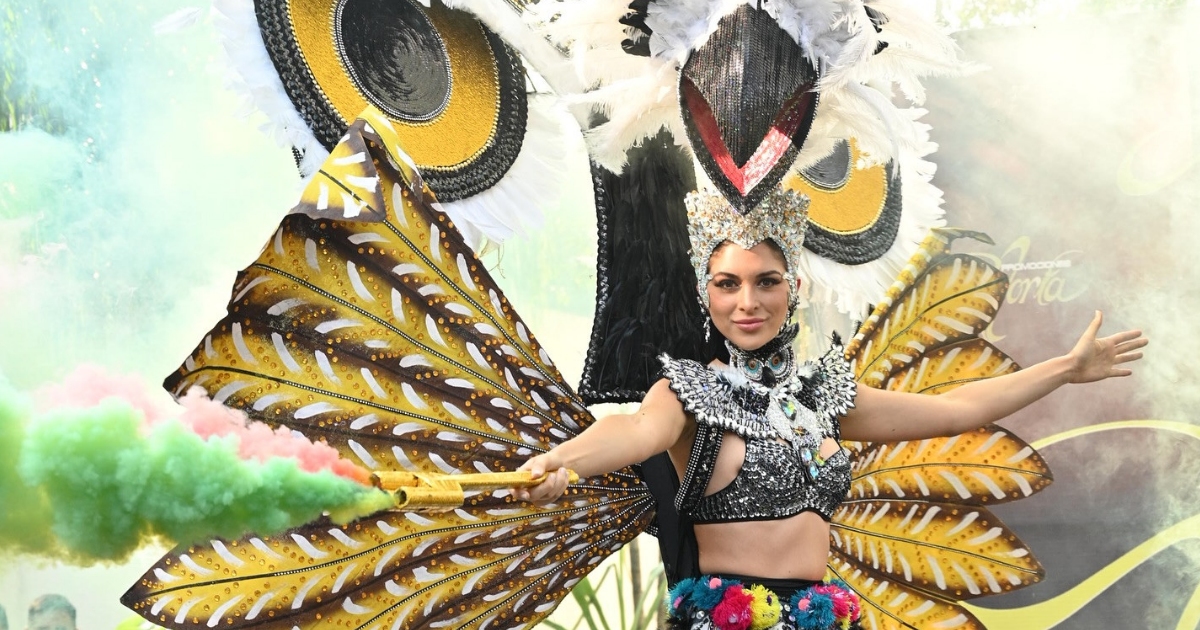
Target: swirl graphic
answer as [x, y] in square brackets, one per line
[1054, 611]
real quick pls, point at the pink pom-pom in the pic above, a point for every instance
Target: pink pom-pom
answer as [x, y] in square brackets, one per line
[714, 582]
[855, 608]
[733, 613]
[841, 607]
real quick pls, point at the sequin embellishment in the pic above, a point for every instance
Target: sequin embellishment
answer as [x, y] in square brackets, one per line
[783, 425]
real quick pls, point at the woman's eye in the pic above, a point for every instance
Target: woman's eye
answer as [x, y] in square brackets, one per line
[768, 282]
[726, 284]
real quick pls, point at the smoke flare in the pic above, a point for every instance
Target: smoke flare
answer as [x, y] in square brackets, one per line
[87, 484]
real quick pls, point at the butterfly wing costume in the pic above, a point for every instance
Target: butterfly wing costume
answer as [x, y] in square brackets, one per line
[368, 321]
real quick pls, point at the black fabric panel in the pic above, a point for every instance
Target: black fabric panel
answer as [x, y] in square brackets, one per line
[676, 537]
[646, 300]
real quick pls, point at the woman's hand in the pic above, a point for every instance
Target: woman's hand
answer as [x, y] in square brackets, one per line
[1095, 359]
[611, 443]
[550, 489]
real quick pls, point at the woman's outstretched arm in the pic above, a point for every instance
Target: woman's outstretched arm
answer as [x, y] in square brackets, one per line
[612, 443]
[882, 416]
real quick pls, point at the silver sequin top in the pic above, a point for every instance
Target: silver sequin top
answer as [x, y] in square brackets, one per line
[783, 426]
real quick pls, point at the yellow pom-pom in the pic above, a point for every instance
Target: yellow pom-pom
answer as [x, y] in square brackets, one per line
[764, 608]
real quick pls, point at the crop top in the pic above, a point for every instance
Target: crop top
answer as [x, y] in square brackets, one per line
[784, 412]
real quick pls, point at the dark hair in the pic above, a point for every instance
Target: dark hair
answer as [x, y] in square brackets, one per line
[49, 603]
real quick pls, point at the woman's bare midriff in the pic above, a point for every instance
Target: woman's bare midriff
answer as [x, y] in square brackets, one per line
[793, 548]
[796, 547]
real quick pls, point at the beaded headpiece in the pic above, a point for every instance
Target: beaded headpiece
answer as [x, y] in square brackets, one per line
[782, 217]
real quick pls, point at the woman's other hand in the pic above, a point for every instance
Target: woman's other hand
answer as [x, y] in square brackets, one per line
[550, 489]
[1095, 359]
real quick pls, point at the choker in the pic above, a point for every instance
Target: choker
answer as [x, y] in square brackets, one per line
[772, 370]
[772, 364]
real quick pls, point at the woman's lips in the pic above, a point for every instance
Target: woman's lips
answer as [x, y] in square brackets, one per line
[748, 325]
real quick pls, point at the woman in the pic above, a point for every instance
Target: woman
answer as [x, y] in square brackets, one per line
[780, 534]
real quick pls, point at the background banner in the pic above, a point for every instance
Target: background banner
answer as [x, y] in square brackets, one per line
[1076, 150]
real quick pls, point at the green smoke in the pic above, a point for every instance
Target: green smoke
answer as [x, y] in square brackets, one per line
[24, 511]
[88, 484]
[129, 192]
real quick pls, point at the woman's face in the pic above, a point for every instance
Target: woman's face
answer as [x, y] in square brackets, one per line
[748, 295]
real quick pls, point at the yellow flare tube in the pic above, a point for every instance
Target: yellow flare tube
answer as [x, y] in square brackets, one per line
[431, 491]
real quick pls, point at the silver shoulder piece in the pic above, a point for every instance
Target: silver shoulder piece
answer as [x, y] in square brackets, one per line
[719, 398]
[830, 389]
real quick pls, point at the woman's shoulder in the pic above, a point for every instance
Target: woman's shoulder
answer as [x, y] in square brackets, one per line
[660, 391]
[686, 379]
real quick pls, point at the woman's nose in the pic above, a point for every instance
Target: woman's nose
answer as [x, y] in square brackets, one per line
[747, 299]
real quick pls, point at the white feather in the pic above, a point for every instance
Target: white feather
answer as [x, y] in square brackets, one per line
[177, 21]
[251, 74]
[521, 32]
[534, 181]
[640, 91]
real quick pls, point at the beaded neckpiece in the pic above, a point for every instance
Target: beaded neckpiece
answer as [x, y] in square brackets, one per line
[784, 411]
[773, 363]
[760, 394]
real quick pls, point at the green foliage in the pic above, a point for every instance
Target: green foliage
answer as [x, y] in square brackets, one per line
[636, 607]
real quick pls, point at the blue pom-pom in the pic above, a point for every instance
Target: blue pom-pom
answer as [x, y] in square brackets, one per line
[682, 589]
[817, 616]
[706, 598]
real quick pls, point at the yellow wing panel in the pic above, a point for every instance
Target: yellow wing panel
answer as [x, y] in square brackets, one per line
[956, 298]
[889, 605]
[382, 335]
[952, 552]
[987, 465]
[395, 570]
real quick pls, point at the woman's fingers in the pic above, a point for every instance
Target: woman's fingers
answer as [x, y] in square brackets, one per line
[550, 489]
[536, 468]
[1134, 344]
[1125, 346]
[1127, 357]
[1128, 336]
[1094, 327]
